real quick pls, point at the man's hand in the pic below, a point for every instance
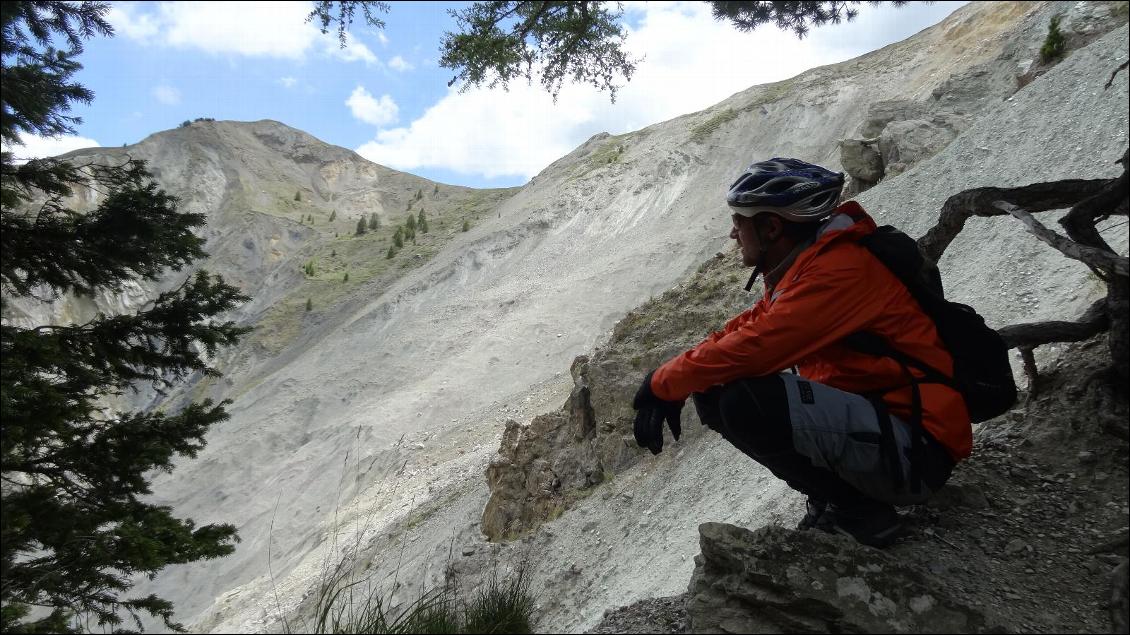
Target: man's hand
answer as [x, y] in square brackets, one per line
[652, 411]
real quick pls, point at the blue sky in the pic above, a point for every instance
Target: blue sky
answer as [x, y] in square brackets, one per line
[385, 97]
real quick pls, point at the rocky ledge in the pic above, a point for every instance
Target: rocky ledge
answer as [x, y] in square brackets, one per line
[779, 580]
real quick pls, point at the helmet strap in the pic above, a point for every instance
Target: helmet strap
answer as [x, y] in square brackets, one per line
[752, 278]
[759, 266]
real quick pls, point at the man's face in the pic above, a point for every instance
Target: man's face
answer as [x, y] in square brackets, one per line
[744, 233]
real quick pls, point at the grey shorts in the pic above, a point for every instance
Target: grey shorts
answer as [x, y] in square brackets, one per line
[839, 431]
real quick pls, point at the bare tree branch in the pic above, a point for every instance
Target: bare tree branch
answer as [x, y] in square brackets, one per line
[1091, 256]
[1038, 197]
[1033, 334]
[1109, 201]
[1110, 81]
[1030, 370]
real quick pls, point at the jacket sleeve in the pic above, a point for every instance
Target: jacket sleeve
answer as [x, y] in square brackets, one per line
[733, 324]
[830, 299]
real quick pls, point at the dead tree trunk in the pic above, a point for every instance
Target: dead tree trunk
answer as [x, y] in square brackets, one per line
[1090, 202]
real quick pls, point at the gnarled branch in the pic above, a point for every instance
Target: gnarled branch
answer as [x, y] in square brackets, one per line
[1032, 334]
[1037, 197]
[1109, 201]
[1110, 81]
[1094, 257]
[1089, 200]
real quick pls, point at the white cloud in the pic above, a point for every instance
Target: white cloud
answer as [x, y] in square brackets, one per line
[382, 38]
[262, 29]
[690, 65]
[36, 147]
[166, 95]
[692, 62]
[484, 133]
[288, 82]
[140, 27]
[354, 50]
[378, 112]
[398, 64]
[271, 29]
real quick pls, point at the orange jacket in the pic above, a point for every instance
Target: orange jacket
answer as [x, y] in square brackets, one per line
[834, 288]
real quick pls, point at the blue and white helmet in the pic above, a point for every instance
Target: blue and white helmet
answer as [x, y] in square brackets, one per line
[792, 189]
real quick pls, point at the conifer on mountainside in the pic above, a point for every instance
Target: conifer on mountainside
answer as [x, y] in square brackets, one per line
[76, 528]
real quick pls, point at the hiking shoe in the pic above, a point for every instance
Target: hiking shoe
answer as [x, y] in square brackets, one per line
[813, 515]
[874, 525]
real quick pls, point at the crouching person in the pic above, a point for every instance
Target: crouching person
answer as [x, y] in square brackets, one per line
[857, 432]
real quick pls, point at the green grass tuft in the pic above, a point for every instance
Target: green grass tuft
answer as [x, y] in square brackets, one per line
[500, 606]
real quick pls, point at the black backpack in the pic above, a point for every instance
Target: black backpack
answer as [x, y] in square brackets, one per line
[982, 373]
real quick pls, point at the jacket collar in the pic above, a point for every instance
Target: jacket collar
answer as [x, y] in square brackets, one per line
[849, 221]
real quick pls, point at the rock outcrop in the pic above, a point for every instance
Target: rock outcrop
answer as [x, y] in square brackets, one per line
[538, 464]
[897, 134]
[863, 164]
[775, 580]
[543, 467]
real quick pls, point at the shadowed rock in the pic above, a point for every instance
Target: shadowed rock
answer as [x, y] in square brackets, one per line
[776, 580]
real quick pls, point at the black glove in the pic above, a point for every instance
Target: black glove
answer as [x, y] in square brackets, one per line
[652, 411]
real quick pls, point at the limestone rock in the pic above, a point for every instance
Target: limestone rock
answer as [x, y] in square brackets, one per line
[861, 160]
[904, 143]
[538, 464]
[542, 468]
[882, 113]
[959, 495]
[777, 580]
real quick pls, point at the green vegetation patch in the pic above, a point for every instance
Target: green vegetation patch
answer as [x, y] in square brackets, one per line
[705, 129]
[609, 153]
[683, 315]
[769, 93]
[367, 258]
[1120, 10]
[1055, 44]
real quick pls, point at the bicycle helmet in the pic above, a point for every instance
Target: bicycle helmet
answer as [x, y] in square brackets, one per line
[794, 190]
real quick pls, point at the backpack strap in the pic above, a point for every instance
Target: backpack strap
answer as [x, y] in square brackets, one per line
[917, 447]
[872, 344]
[887, 447]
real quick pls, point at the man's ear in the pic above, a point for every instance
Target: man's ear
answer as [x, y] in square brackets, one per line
[774, 227]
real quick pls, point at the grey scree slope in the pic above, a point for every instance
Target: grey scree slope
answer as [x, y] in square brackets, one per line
[479, 326]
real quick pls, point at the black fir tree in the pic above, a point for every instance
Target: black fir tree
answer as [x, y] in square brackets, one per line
[75, 528]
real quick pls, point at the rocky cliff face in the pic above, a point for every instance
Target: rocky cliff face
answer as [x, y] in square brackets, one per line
[545, 466]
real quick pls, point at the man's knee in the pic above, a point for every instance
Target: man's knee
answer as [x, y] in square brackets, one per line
[757, 411]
